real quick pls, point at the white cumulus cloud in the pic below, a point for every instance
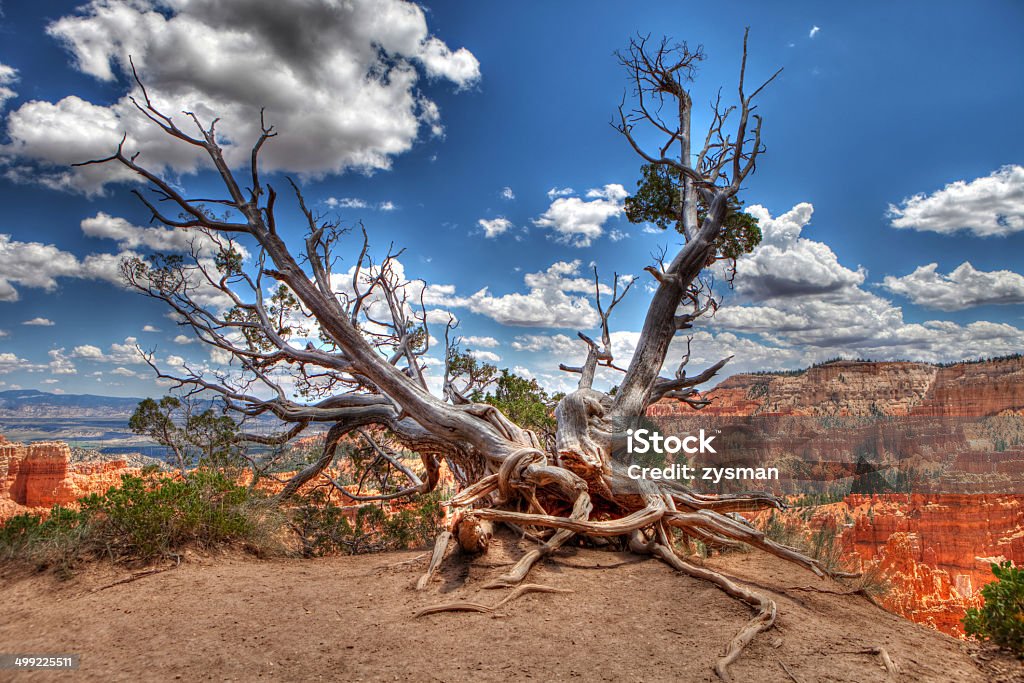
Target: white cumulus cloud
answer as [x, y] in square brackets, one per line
[964, 287]
[485, 356]
[8, 76]
[988, 206]
[339, 80]
[495, 226]
[554, 299]
[121, 353]
[802, 299]
[578, 222]
[480, 342]
[788, 265]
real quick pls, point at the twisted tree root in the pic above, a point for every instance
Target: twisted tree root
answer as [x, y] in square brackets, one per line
[720, 525]
[726, 502]
[613, 527]
[580, 511]
[762, 621]
[477, 607]
[696, 515]
[766, 608]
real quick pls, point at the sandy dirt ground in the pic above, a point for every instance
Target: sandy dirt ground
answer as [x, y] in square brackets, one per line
[232, 617]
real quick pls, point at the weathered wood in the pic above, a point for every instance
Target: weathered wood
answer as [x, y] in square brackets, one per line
[373, 374]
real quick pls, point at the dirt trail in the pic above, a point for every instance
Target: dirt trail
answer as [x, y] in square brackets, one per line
[235, 618]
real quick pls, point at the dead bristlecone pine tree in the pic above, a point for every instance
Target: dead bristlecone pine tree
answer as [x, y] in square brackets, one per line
[250, 295]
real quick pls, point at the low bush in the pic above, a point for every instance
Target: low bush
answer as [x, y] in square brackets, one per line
[325, 528]
[155, 516]
[143, 519]
[1001, 619]
[823, 543]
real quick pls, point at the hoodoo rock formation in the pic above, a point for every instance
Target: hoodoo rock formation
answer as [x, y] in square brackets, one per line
[934, 549]
[37, 476]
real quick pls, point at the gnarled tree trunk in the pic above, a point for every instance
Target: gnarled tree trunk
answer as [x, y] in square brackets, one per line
[367, 372]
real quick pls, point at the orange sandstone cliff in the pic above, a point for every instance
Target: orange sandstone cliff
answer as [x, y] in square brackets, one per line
[860, 388]
[37, 476]
[934, 549]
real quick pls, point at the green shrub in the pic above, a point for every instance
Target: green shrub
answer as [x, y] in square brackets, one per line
[325, 528]
[1001, 618]
[148, 518]
[143, 519]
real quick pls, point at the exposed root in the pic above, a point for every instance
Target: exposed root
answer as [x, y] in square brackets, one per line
[726, 502]
[720, 525]
[473, 533]
[766, 608]
[440, 548]
[581, 511]
[396, 565]
[513, 468]
[613, 527]
[792, 676]
[477, 607]
[523, 476]
[139, 575]
[891, 670]
[862, 592]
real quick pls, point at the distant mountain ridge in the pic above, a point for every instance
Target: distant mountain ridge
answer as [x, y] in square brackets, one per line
[871, 388]
[35, 403]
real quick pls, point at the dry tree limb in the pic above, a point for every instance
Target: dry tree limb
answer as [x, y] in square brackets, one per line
[788, 673]
[477, 607]
[395, 565]
[440, 548]
[891, 670]
[613, 527]
[139, 575]
[720, 525]
[471, 494]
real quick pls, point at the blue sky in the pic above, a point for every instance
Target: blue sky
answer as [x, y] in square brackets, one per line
[891, 194]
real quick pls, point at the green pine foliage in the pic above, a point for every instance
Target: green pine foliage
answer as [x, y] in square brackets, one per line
[657, 201]
[1001, 619]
